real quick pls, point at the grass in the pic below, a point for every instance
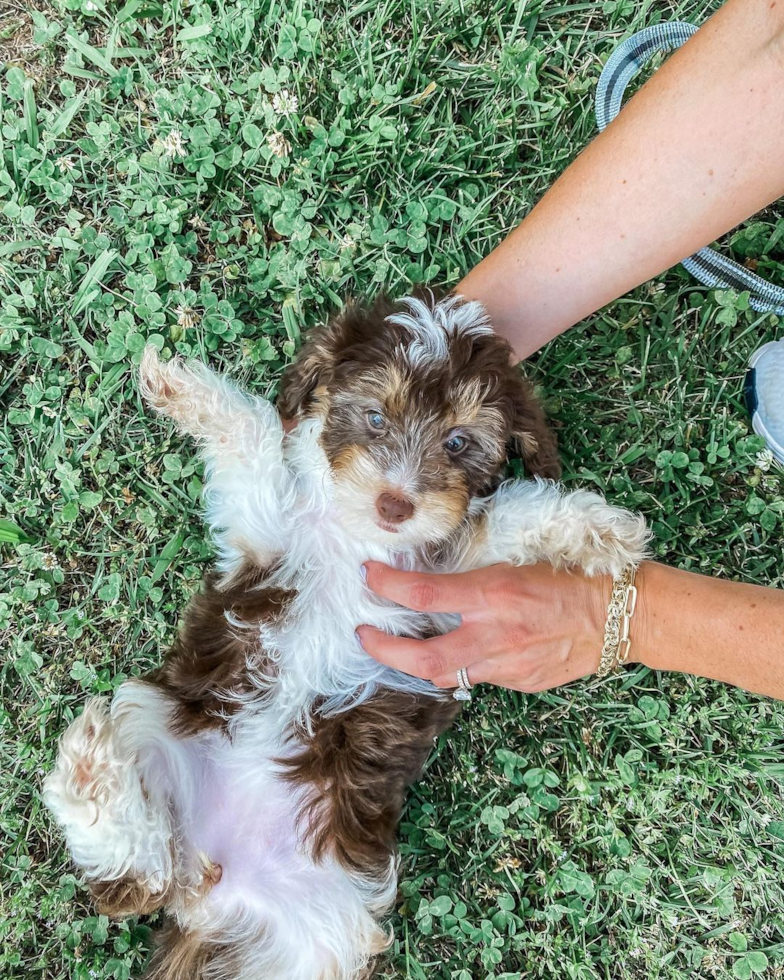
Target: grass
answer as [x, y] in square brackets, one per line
[633, 829]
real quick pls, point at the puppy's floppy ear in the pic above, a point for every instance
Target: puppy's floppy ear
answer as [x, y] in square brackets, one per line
[534, 440]
[314, 365]
[301, 378]
[325, 348]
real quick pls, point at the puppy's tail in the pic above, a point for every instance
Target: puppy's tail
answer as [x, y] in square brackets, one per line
[183, 955]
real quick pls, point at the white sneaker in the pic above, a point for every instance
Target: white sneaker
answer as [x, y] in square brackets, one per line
[765, 395]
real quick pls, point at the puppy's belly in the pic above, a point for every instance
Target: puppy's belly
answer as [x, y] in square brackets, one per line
[244, 817]
[244, 821]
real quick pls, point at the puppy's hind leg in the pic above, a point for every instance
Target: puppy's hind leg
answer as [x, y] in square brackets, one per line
[110, 792]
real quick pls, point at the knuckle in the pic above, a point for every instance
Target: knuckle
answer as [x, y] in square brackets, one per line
[498, 588]
[432, 665]
[506, 591]
[423, 595]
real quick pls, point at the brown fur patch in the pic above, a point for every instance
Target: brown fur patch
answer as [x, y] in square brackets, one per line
[208, 662]
[187, 955]
[126, 896]
[394, 389]
[359, 764]
[349, 459]
[448, 505]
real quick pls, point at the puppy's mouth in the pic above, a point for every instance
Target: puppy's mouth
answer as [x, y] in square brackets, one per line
[388, 526]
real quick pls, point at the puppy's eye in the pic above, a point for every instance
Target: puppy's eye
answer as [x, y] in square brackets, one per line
[455, 445]
[376, 421]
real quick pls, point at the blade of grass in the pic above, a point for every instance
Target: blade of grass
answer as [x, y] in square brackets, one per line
[92, 282]
[92, 54]
[64, 120]
[30, 113]
[194, 33]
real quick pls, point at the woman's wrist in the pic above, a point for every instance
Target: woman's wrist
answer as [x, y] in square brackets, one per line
[651, 581]
[595, 598]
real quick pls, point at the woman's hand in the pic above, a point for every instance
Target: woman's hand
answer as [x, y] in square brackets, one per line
[533, 628]
[528, 628]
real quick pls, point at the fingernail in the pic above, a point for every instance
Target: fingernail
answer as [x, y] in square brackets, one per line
[363, 572]
[359, 636]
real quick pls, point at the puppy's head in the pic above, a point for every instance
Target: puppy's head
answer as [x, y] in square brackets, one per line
[420, 404]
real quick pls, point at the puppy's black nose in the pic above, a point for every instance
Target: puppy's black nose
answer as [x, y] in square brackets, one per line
[393, 508]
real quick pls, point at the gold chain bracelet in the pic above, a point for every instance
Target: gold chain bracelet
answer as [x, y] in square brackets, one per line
[623, 602]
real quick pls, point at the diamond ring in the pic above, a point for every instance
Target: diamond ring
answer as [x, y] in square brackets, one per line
[463, 690]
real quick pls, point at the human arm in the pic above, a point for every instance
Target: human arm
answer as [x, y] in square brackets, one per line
[533, 628]
[695, 152]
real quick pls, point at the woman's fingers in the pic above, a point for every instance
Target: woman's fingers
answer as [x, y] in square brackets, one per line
[439, 657]
[459, 593]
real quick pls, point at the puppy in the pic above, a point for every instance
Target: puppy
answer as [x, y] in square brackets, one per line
[252, 786]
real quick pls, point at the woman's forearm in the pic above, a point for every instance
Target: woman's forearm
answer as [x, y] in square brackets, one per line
[695, 152]
[727, 631]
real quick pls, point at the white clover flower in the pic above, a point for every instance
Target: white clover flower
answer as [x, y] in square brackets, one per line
[278, 144]
[284, 102]
[173, 145]
[90, 6]
[186, 317]
[347, 242]
[64, 164]
[49, 561]
[764, 460]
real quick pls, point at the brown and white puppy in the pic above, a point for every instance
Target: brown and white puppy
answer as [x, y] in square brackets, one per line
[253, 785]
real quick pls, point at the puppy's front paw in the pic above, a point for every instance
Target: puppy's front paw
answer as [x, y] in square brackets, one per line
[610, 539]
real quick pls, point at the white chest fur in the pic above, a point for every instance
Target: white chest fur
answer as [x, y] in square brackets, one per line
[315, 646]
